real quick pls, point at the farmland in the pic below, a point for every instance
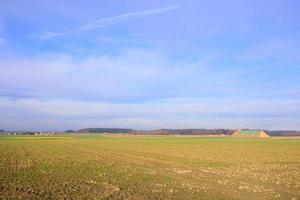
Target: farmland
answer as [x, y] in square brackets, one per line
[148, 167]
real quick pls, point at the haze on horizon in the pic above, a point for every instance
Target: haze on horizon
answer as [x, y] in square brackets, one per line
[149, 64]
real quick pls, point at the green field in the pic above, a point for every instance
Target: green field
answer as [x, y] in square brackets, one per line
[148, 167]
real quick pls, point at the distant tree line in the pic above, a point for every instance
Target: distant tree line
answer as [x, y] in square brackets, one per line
[188, 132]
[158, 132]
[178, 131]
[105, 130]
[284, 133]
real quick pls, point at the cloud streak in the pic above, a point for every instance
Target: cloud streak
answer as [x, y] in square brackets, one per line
[99, 23]
[48, 34]
[125, 17]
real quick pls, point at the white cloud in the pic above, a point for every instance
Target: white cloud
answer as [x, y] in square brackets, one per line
[129, 75]
[135, 88]
[47, 34]
[125, 17]
[273, 48]
[110, 21]
[170, 113]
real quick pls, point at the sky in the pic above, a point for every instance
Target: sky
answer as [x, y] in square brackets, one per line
[149, 64]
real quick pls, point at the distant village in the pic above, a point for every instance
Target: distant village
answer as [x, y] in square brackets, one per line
[2, 132]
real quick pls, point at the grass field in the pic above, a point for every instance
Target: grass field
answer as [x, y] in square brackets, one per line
[148, 167]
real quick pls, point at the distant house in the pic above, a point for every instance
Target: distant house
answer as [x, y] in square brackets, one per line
[250, 134]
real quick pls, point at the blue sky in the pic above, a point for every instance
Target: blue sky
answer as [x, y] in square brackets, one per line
[149, 64]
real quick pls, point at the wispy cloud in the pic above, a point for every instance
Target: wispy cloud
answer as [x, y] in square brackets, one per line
[274, 48]
[110, 21]
[125, 17]
[119, 73]
[48, 34]
[171, 113]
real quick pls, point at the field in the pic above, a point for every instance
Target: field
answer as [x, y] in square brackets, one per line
[148, 167]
